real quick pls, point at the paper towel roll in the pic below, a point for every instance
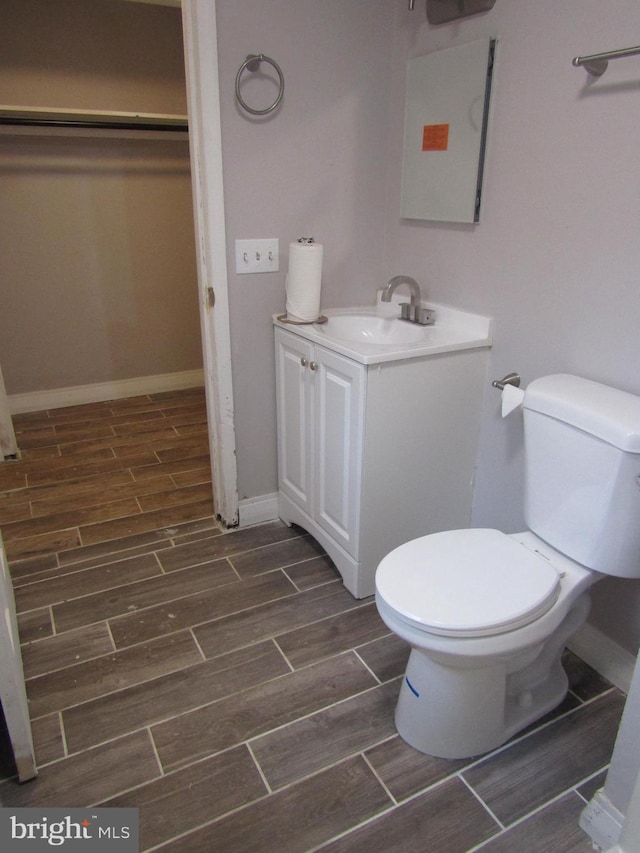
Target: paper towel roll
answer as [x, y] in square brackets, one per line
[304, 281]
[512, 398]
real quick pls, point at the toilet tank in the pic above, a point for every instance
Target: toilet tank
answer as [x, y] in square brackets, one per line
[582, 471]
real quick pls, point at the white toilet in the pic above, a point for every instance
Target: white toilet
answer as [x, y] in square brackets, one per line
[488, 614]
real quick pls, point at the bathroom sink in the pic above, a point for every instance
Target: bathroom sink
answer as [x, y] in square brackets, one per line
[370, 329]
[371, 335]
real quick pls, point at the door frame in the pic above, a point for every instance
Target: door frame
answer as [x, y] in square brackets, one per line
[205, 143]
[8, 445]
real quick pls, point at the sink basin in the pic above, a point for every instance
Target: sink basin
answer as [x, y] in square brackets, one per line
[371, 336]
[370, 329]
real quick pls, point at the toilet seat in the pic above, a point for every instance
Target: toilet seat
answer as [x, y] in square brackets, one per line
[467, 583]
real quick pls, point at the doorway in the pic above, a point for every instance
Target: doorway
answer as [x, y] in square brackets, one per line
[211, 272]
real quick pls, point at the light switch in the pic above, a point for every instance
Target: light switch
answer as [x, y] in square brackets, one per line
[257, 256]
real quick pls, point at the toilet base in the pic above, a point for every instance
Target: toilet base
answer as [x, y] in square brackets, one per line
[451, 710]
[460, 713]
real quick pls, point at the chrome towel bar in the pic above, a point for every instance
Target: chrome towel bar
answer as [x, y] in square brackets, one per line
[597, 63]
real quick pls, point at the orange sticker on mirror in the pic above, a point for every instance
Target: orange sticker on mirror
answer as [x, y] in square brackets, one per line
[435, 137]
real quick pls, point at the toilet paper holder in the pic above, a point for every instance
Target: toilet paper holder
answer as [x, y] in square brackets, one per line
[509, 379]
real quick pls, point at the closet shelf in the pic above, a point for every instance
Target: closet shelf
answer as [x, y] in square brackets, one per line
[46, 117]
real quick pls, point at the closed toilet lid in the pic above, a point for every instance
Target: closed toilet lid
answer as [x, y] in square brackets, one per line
[467, 583]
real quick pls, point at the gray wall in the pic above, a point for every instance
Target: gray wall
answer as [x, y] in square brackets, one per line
[316, 167]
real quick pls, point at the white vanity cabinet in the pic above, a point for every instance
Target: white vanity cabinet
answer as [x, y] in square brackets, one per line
[372, 455]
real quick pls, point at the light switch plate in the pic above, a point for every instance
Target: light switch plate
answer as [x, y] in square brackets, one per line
[257, 256]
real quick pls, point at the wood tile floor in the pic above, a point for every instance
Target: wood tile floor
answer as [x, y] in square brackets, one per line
[225, 683]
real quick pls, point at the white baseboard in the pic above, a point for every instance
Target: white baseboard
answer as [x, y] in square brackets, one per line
[98, 392]
[608, 658]
[258, 510]
[602, 821]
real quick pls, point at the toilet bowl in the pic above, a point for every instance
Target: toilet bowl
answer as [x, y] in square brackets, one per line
[488, 614]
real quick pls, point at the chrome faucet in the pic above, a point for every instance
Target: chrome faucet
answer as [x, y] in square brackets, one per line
[411, 311]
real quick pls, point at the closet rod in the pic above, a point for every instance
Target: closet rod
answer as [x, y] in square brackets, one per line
[95, 124]
[102, 120]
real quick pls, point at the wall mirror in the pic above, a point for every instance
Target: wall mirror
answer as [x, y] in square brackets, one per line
[446, 117]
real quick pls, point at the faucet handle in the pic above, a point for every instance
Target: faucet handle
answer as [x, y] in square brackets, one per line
[425, 316]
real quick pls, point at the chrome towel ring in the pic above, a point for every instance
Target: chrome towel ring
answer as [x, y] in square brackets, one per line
[252, 62]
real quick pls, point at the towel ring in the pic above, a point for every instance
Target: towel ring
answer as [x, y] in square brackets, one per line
[252, 62]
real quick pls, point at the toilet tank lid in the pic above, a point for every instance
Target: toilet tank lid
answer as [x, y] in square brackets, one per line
[602, 411]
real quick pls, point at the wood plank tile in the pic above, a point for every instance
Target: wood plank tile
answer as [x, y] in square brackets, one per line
[194, 610]
[256, 711]
[183, 801]
[81, 448]
[155, 500]
[548, 761]
[143, 472]
[185, 430]
[66, 649]
[35, 625]
[192, 477]
[227, 545]
[589, 788]
[87, 778]
[405, 771]
[109, 556]
[95, 493]
[584, 681]
[332, 635]
[184, 416]
[36, 437]
[273, 618]
[130, 525]
[556, 827]
[387, 657]
[70, 488]
[69, 433]
[41, 468]
[170, 695]
[313, 572]
[72, 585]
[45, 543]
[446, 818]
[181, 447]
[23, 570]
[192, 531]
[296, 819]
[48, 742]
[142, 594]
[86, 681]
[183, 396]
[14, 512]
[11, 476]
[74, 518]
[276, 556]
[326, 737]
[114, 549]
[73, 468]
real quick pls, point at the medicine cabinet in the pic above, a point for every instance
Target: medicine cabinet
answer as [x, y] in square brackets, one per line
[446, 117]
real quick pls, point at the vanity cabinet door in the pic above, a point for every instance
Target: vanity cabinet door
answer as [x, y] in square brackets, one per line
[339, 390]
[294, 390]
[320, 407]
